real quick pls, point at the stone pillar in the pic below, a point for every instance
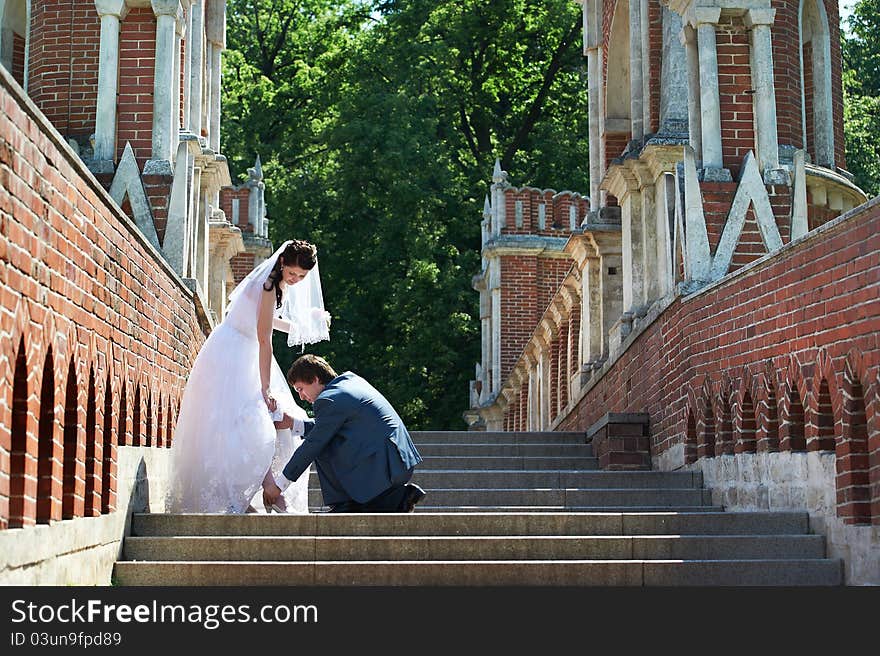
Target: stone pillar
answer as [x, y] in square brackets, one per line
[674, 73]
[689, 40]
[179, 33]
[215, 30]
[759, 21]
[632, 230]
[636, 112]
[651, 281]
[495, 295]
[196, 67]
[111, 13]
[486, 344]
[164, 102]
[592, 40]
[706, 19]
[592, 346]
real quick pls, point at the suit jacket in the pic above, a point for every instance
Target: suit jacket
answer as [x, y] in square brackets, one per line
[359, 434]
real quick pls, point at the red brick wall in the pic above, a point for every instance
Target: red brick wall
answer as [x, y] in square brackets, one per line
[85, 50]
[63, 61]
[137, 48]
[519, 307]
[77, 281]
[243, 195]
[49, 60]
[809, 105]
[787, 72]
[734, 92]
[18, 48]
[804, 317]
[655, 46]
[242, 264]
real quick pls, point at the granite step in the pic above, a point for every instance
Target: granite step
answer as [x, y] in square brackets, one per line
[755, 572]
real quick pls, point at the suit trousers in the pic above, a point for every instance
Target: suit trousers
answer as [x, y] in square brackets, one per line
[334, 493]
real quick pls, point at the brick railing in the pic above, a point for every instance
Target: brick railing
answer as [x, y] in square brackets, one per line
[97, 333]
[780, 355]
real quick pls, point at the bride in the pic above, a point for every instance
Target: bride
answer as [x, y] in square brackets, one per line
[225, 445]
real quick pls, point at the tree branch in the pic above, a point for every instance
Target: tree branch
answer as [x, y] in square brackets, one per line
[537, 105]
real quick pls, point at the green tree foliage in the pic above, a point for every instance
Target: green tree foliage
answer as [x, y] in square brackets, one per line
[861, 94]
[378, 125]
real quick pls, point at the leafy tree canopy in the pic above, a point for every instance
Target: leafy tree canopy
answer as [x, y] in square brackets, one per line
[378, 124]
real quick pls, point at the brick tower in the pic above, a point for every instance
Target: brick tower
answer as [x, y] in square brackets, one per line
[133, 86]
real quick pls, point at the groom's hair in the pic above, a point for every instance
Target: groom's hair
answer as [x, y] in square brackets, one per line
[308, 367]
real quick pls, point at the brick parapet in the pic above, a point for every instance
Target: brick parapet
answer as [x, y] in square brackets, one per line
[800, 313]
[79, 280]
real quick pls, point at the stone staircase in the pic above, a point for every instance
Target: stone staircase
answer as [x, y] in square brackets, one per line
[502, 509]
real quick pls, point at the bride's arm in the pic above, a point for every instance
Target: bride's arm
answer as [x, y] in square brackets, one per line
[264, 336]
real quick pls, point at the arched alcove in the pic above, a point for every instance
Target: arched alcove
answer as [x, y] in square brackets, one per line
[18, 443]
[853, 464]
[70, 463]
[618, 93]
[746, 426]
[792, 430]
[823, 420]
[815, 54]
[107, 450]
[93, 464]
[46, 442]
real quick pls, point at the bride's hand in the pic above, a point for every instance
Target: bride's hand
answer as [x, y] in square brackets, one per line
[270, 401]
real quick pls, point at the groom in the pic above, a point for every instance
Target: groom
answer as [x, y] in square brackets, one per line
[362, 451]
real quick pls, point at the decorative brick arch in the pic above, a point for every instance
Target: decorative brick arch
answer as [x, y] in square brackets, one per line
[20, 450]
[724, 401]
[744, 421]
[792, 413]
[691, 412]
[706, 434]
[824, 411]
[852, 455]
[49, 446]
[766, 395]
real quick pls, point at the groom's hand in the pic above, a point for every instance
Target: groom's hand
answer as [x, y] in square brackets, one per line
[286, 422]
[271, 494]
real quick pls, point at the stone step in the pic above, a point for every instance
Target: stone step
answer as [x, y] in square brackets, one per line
[478, 437]
[558, 497]
[540, 450]
[558, 508]
[485, 463]
[523, 479]
[483, 523]
[790, 572]
[431, 548]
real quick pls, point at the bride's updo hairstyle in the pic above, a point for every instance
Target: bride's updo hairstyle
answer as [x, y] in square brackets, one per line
[298, 253]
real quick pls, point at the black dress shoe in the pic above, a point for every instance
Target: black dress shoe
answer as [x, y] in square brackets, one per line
[411, 497]
[345, 507]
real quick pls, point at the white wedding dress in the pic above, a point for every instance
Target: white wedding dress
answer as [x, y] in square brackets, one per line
[225, 439]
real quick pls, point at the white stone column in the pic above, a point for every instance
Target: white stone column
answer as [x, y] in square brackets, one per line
[759, 21]
[636, 112]
[591, 311]
[111, 13]
[651, 284]
[594, 92]
[196, 67]
[689, 41]
[167, 13]
[179, 33]
[632, 231]
[215, 31]
[706, 19]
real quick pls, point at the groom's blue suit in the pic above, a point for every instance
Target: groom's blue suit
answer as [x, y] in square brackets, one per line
[358, 442]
